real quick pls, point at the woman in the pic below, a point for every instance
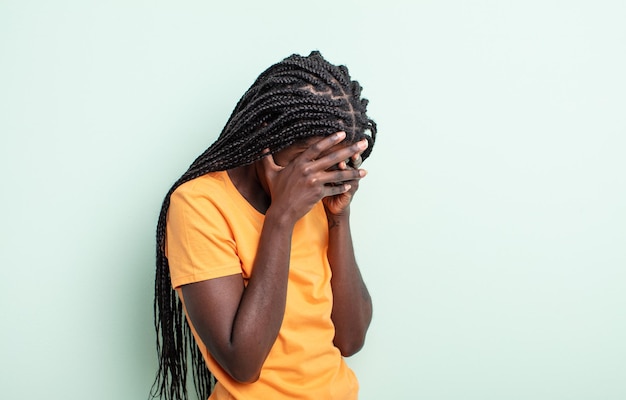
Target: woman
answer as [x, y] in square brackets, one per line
[254, 245]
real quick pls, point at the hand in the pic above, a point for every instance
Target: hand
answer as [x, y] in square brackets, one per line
[339, 204]
[305, 180]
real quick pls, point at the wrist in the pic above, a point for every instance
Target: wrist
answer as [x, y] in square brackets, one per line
[279, 219]
[344, 214]
[338, 220]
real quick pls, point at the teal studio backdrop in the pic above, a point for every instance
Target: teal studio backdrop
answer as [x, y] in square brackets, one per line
[491, 228]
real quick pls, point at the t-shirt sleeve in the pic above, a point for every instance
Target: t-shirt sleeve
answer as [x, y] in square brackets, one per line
[199, 241]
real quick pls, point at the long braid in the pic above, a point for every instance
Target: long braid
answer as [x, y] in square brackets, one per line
[295, 99]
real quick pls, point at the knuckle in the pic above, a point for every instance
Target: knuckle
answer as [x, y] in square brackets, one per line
[340, 176]
[317, 147]
[336, 157]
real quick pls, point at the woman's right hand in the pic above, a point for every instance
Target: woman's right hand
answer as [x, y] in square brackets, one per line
[305, 180]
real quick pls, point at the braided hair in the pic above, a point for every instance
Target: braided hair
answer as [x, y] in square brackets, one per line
[292, 100]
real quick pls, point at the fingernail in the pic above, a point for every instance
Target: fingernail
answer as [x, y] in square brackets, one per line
[362, 172]
[341, 135]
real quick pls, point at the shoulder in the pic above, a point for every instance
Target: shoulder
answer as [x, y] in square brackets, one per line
[200, 199]
[208, 187]
[213, 181]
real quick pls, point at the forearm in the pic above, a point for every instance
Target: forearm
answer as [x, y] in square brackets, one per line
[261, 311]
[352, 305]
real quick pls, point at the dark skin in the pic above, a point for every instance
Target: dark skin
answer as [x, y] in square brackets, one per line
[239, 324]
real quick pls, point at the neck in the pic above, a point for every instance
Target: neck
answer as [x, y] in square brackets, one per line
[250, 182]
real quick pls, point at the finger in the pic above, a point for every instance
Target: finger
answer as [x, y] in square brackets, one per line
[333, 190]
[341, 154]
[343, 176]
[317, 148]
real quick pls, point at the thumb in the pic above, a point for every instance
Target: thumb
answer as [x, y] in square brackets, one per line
[270, 169]
[269, 163]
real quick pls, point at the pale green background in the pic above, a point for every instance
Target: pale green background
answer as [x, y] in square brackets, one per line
[491, 229]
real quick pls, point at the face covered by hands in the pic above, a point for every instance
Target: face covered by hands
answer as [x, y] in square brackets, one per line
[318, 168]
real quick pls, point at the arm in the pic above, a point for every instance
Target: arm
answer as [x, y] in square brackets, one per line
[352, 304]
[240, 324]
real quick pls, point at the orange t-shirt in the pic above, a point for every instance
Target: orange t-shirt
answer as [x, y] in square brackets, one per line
[212, 231]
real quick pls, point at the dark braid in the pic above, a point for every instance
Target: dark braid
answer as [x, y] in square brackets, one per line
[295, 99]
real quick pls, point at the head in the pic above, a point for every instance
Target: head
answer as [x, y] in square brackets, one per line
[297, 98]
[293, 101]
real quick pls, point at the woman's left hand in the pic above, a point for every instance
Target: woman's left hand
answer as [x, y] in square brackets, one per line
[339, 205]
